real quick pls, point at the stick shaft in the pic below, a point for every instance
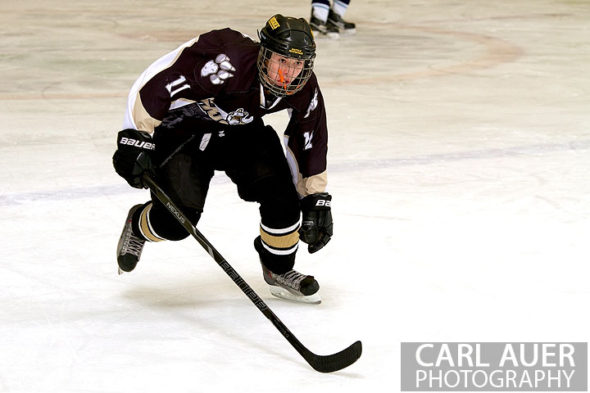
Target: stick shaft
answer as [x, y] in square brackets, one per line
[227, 268]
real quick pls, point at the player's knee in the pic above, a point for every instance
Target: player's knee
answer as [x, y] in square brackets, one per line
[279, 202]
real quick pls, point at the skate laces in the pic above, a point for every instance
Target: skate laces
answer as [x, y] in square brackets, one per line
[291, 279]
[132, 244]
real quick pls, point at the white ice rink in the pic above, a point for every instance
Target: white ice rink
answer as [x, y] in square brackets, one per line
[459, 163]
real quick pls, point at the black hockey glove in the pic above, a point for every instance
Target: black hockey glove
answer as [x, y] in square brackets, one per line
[316, 224]
[132, 158]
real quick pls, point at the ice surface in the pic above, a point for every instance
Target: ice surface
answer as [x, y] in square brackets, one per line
[459, 164]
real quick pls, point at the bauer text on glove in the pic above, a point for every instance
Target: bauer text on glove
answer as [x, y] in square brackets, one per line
[316, 224]
[132, 158]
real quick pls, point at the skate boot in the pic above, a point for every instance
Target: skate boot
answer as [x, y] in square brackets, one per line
[293, 286]
[130, 246]
[321, 28]
[336, 22]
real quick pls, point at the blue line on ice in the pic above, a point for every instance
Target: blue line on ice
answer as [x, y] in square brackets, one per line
[344, 166]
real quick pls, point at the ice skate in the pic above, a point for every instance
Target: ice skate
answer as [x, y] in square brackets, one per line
[130, 246]
[293, 285]
[321, 28]
[335, 22]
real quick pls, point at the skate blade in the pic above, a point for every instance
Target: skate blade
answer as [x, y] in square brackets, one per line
[282, 293]
[326, 36]
[329, 36]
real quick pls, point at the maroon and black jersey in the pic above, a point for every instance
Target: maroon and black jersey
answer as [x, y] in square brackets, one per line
[213, 80]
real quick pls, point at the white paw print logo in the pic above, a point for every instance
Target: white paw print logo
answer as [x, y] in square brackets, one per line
[219, 70]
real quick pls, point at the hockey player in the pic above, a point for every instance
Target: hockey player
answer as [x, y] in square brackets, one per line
[199, 109]
[327, 20]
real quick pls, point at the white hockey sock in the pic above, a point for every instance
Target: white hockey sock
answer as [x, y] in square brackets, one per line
[320, 11]
[339, 7]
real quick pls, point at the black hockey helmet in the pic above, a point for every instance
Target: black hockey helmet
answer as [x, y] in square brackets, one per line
[288, 37]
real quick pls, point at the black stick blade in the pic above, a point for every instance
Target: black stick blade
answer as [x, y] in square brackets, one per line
[337, 361]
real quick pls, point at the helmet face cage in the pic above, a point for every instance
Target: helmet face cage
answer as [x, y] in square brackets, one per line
[275, 75]
[287, 52]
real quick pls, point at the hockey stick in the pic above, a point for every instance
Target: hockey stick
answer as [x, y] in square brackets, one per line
[324, 364]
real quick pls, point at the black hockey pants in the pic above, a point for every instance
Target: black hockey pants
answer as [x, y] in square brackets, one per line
[252, 157]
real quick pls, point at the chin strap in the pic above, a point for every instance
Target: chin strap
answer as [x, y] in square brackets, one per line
[264, 94]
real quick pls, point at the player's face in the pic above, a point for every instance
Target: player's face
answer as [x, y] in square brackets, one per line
[283, 70]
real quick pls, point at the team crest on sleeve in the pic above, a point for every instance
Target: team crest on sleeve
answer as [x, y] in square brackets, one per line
[218, 70]
[313, 104]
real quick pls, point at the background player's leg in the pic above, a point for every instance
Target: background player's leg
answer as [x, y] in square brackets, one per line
[319, 19]
[335, 17]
